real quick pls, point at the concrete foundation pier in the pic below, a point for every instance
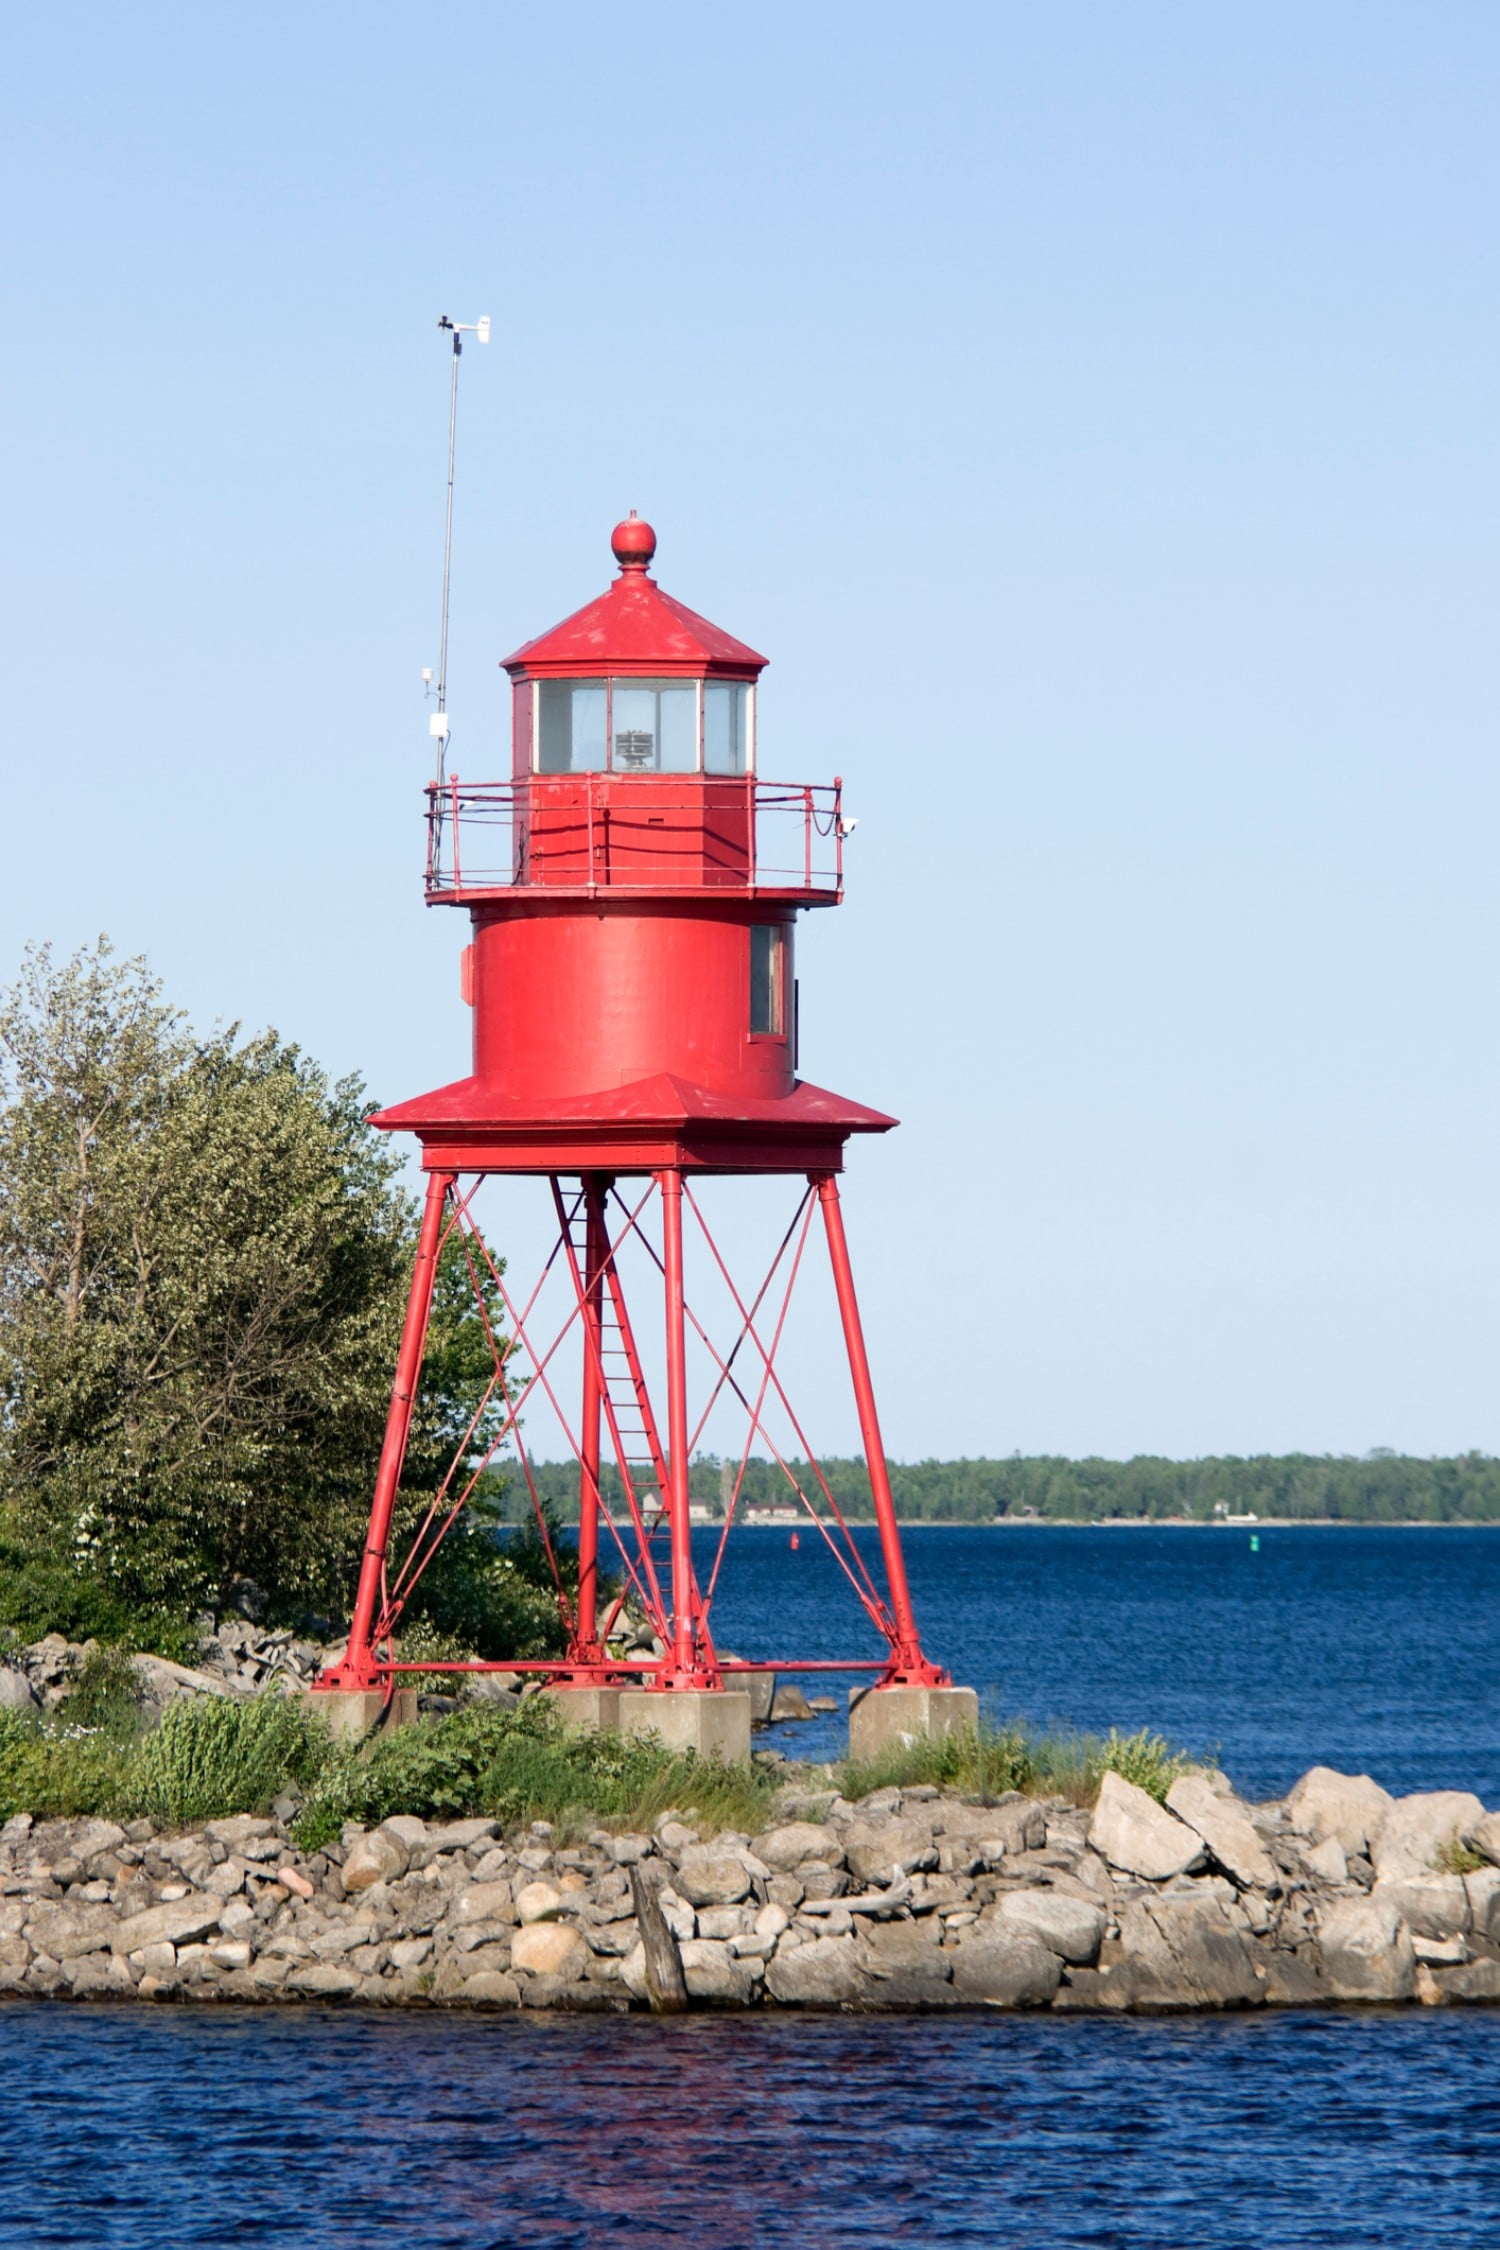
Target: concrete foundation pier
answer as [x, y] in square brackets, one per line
[351, 1713]
[585, 1710]
[892, 1718]
[714, 1722]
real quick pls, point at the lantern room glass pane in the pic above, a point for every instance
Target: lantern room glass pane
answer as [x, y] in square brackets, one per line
[654, 726]
[572, 733]
[725, 726]
[768, 979]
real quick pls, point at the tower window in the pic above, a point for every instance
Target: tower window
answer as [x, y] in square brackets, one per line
[726, 727]
[573, 735]
[769, 947]
[654, 726]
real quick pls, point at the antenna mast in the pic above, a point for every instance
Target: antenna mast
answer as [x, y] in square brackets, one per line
[438, 723]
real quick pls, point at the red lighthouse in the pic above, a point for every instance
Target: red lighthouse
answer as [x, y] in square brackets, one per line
[633, 889]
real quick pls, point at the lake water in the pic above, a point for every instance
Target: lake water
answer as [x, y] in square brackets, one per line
[133, 2129]
[1367, 1649]
[204, 2129]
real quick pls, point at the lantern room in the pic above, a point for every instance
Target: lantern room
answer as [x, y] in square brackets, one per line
[634, 766]
[634, 685]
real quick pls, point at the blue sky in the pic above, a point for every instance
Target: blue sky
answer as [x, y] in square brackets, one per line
[1090, 410]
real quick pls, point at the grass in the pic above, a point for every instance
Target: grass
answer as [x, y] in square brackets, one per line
[208, 1757]
[211, 1756]
[991, 1759]
[983, 1762]
[521, 1765]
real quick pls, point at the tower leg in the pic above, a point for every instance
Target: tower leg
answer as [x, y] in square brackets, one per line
[359, 1669]
[685, 1670]
[583, 1697]
[909, 1666]
[596, 1247]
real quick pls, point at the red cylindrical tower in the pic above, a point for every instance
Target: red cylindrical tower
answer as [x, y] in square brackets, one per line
[633, 889]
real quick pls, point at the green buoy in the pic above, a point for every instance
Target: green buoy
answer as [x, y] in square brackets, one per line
[1255, 1542]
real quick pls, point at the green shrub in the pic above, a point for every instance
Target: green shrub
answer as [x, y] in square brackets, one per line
[1146, 1759]
[42, 1591]
[59, 1772]
[211, 1756]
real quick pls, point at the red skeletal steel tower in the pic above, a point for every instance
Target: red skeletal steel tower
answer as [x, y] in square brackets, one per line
[633, 889]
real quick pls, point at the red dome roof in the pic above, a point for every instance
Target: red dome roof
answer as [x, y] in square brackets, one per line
[635, 627]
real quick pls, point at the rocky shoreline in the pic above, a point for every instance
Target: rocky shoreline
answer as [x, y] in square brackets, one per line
[911, 1899]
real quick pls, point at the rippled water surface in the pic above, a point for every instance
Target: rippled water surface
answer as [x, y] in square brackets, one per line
[127, 2128]
[1368, 1649]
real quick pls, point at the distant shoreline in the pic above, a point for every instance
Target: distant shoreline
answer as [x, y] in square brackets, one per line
[1126, 1523]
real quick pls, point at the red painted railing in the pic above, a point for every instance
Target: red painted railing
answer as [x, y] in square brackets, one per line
[586, 833]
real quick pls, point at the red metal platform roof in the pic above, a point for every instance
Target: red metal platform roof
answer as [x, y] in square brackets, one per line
[635, 628]
[662, 1120]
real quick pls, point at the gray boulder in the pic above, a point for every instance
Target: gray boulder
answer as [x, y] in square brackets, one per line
[1327, 1860]
[1066, 1926]
[1003, 1969]
[1432, 1906]
[322, 1980]
[445, 1836]
[1483, 1889]
[713, 1973]
[1016, 1824]
[1224, 1825]
[877, 1850]
[57, 1840]
[16, 1691]
[66, 1933]
[489, 1988]
[1132, 1831]
[377, 1857]
[179, 1921]
[824, 1973]
[1347, 1805]
[1474, 1981]
[788, 1846]
[1184, 1952]
[1367, 1952]
[711, 1878]
[1293, 1981]
[163, 1682]
[1485, 1837]
[1416, 1829]
[906, 1956]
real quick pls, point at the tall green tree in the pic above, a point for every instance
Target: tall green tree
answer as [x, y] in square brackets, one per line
[204, 1259]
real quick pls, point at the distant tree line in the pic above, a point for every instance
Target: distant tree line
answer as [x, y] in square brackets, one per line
[1377, 1487]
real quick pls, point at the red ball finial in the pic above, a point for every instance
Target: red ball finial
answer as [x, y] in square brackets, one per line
[634, 543]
